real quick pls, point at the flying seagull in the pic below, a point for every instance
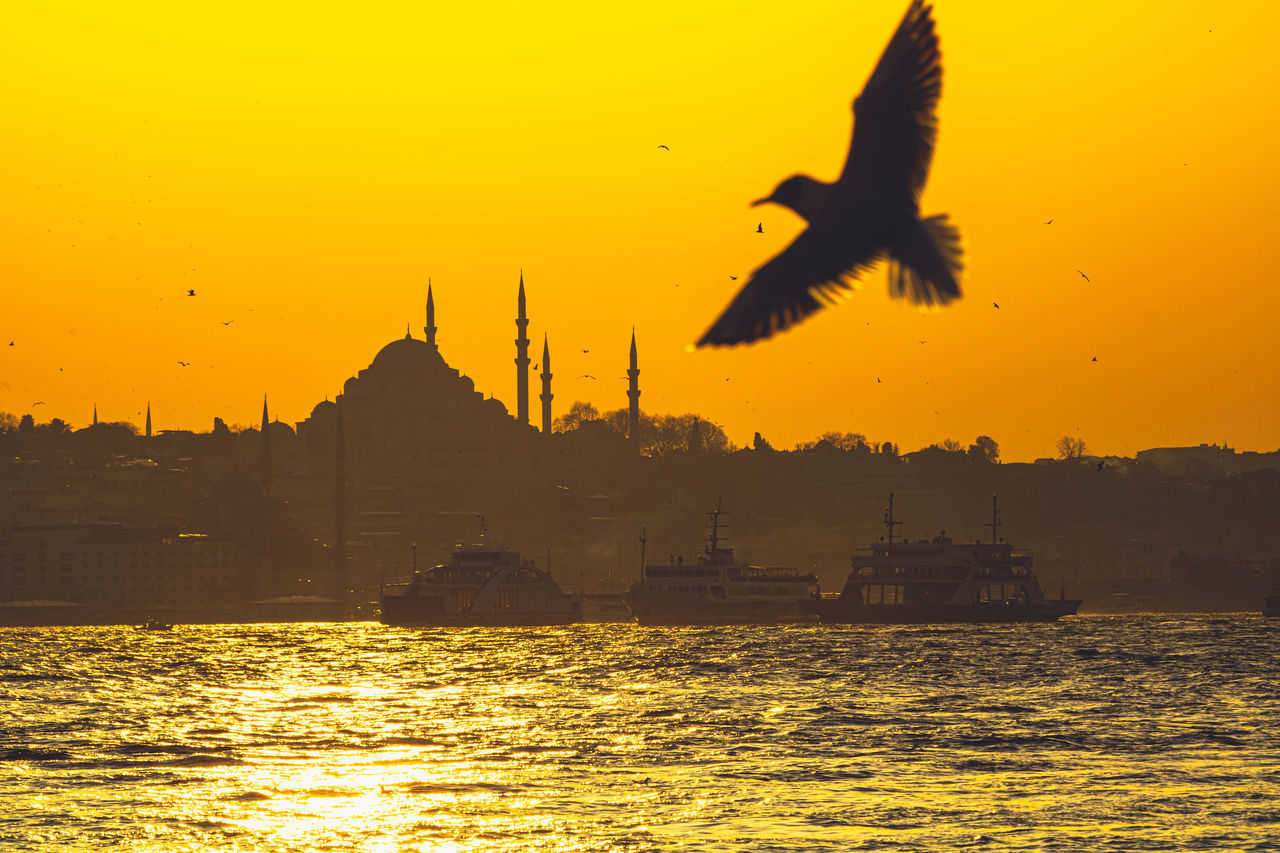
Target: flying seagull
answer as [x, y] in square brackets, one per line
[871, 212]
[663, 146]
[191, 293]
[759, 226]
[1083, 276]
[1050, 222]
[997, 304]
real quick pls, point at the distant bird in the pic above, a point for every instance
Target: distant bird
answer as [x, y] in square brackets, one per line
[760, 228]
[228, 322]
[1083, 276]
[663, 146]
[877, 378]
[191, 293]
[10, 343]
[871, 212]
[38, 403]
[733, 278]
[1050, 222]
[586, 376]
[586, 350]
[997, 304]
[183, 363]
[1095, 358]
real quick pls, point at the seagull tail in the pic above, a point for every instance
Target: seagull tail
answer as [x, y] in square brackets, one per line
[926, 264]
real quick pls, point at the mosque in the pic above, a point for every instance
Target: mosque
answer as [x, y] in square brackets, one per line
[410, 408]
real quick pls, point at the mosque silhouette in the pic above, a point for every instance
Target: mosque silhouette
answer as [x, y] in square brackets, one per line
[410, 407]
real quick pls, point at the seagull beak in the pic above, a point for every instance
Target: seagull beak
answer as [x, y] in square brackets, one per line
[761, 201]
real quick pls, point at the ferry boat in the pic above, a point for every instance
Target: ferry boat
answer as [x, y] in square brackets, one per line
[938, 580]
[480, 585]
[718, 590]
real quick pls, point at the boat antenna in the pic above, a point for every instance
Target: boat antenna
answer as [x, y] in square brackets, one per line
[995, 518]
[889, 522]
[714, 538]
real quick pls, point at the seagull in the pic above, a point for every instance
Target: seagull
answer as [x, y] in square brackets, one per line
[586, 376]
[733, 278]
[760, 228]
[183, 363]
[37, 403]
[871, 212]
[1050, 222]
[228, 322]
[663, 146]
[1083, 276]
[1095, 358]
[586, 350]
[997, 304]
[191, 293]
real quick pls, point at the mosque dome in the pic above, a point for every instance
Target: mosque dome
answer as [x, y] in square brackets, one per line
[280, 429]
[324, 409]
[407, 353]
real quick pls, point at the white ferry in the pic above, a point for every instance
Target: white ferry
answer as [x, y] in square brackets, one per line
[938, 580]
[480, 585]
[718, 590]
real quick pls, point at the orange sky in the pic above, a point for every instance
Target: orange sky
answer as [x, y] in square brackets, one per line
[306, 170]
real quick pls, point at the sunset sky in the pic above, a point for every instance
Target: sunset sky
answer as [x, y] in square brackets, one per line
[306, 168]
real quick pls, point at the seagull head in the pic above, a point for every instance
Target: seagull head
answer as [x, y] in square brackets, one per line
[800, 193]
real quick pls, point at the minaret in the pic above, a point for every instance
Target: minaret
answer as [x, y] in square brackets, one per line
[340, 507]
[430, 328]
[148, 419]
[265, 458]
[522, 358]
[633, 392]
[95, 414]
[545, 396]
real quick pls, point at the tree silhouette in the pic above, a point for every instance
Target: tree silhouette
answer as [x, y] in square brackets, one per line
[579, 413]
[1071, 448]
[984, 449]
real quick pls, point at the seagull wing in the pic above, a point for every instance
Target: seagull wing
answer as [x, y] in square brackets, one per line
[895, 126]
[816, 270]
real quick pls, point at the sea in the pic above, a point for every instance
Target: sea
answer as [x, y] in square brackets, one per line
[1132, 732]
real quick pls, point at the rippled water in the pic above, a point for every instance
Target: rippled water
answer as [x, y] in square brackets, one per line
[1128, 733]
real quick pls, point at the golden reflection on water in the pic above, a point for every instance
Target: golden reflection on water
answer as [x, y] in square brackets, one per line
[322, 738]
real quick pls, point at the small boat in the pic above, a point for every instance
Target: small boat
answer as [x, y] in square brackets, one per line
[938, 580]
[154, 625]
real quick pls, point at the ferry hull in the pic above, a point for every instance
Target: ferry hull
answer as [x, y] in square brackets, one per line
[656, 610]
[837, 611]
[410, 611]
